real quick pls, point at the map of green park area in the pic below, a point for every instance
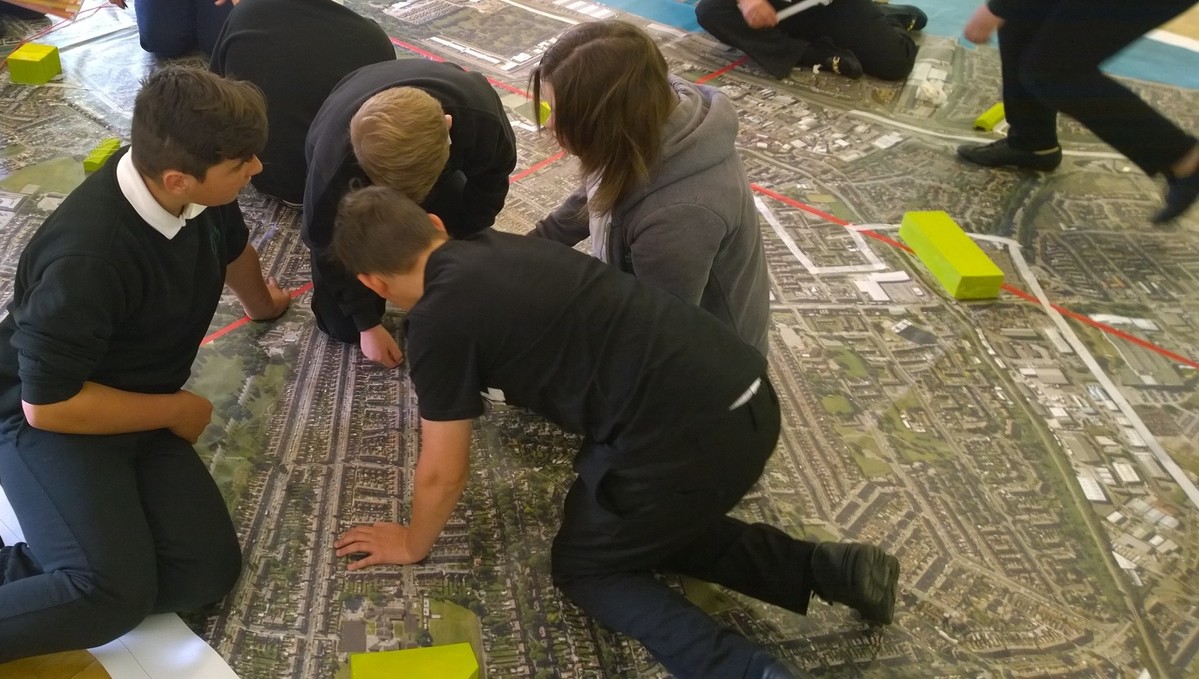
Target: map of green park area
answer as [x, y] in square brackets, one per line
[1031, 460]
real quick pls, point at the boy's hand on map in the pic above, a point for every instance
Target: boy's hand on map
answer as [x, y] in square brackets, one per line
[982, 25]
[280, 299]
[382, 542]
[378, 345]
[758, 13]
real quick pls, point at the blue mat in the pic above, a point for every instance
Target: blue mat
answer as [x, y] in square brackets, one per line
[1145, 59]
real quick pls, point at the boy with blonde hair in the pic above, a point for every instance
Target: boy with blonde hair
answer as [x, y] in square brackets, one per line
[430, 130]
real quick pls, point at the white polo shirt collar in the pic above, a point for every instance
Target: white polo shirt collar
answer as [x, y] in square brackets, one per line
[143, 202]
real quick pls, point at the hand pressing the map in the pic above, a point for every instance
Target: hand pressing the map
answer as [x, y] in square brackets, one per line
[382, 542]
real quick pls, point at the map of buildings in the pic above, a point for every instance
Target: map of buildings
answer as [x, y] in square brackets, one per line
[1033, 468]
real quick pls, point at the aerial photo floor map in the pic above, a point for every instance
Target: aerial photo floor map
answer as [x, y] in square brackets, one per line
[1031, 461]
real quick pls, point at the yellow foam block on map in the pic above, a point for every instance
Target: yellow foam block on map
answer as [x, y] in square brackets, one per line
[100, 155]
[989, 118]
[453, 661]
[951, 255]
[33, 64]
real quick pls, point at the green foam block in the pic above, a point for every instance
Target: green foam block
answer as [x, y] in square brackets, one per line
[100, 155]
[452, 661]
[956, 260]
[33, 64]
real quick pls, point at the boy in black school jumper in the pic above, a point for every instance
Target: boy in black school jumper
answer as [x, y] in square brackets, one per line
[112, 297]
[386, 124]
[295, 51]
[677, 412]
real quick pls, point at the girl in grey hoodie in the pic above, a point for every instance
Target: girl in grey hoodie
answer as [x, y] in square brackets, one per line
[664, 193]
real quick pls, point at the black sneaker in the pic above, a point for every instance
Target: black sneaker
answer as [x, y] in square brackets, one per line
[907, 17]
[823, 55]
[861, 576]
[999, 154]
[1181, 193]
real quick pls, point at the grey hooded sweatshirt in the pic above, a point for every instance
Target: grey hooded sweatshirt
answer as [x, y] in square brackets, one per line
[692, 229]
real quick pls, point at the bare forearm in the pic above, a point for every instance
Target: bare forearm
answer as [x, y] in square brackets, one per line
[101, 410]
[433, 502]
[244, 278]
[440, 476]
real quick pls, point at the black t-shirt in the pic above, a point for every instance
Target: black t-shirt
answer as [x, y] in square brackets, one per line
[571, 338]
[295, 51]
[101, 296]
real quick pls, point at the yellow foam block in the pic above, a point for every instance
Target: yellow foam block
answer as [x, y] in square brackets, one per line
[990, 118]
[100, 155]
[452, 661]
[33, 64]
[951, 255]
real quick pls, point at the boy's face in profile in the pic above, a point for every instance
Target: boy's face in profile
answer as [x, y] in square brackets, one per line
[224, 181]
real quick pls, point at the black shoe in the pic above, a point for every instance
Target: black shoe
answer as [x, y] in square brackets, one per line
[907, 17]
[863, 577]
[999, 154]
[1181, 193]
[823, 55]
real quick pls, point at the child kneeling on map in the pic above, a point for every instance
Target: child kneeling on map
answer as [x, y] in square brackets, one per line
[678, 415]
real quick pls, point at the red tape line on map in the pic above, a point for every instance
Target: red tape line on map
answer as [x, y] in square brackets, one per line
[1022, 294]
[1028, 297]
[219, 333]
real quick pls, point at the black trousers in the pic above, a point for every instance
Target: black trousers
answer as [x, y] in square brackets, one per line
[172, 28]
[633, 512]
[885, 49]
[1051, 52]
[116, 527]
[330, 280]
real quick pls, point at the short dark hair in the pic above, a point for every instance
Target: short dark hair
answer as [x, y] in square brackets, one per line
[188, 119]
[612, 97]
[380, 231]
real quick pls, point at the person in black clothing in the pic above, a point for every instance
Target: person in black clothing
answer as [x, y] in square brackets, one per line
[678, 415]
[111, 299]
[386, 124]
[295, 51]
[847, 37]
[172, 28]
[1050, 51]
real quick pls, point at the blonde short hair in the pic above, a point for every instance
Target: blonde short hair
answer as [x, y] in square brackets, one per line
[400, 139]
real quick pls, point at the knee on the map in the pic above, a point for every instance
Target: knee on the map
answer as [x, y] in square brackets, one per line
[893, 64]
[207, 578]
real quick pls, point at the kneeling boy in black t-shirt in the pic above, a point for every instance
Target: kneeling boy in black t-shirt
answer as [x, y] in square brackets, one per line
[678, 416]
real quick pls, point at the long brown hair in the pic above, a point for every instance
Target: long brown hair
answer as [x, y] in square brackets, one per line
[611, 100]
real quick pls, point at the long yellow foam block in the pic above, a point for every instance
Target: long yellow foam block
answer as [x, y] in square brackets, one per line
[951, 255]
[452, 661]
[989, 118]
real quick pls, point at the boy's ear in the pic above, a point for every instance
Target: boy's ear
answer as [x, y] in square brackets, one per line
[177, 182]
[437, 223]
[375, 283]
[449, 122]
